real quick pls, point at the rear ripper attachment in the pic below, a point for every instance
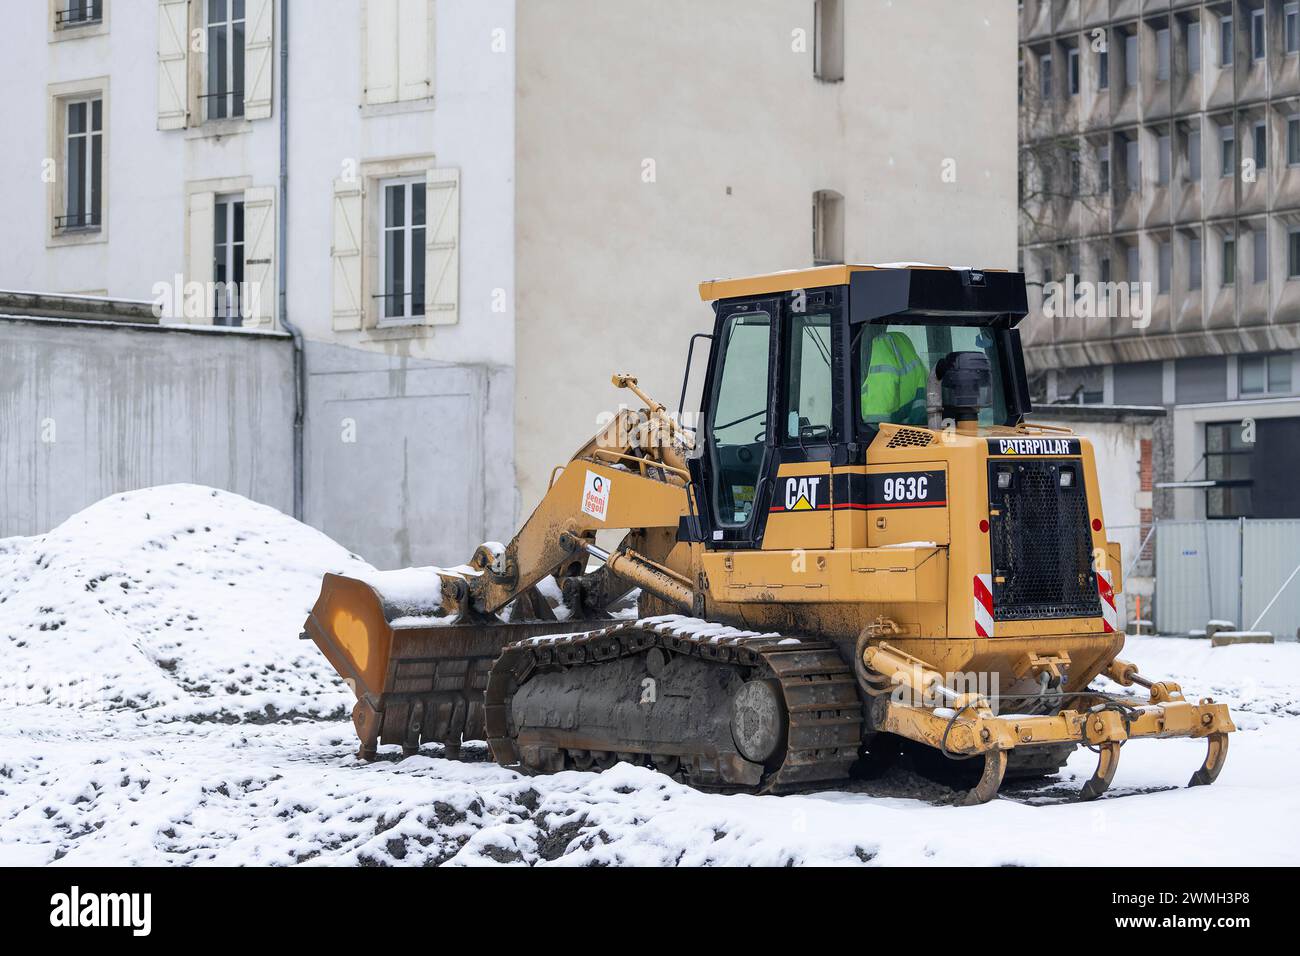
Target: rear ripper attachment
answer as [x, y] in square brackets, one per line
[710, 705]
[967, 726]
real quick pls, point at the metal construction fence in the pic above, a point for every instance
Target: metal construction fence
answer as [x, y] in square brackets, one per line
[1241, 570]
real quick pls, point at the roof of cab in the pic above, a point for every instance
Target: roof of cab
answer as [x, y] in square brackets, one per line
[713, 289]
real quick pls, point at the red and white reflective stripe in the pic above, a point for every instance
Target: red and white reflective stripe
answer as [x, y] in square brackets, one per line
[984, 605]
[1109, 616]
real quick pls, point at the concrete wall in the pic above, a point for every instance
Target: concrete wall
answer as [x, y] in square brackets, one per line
[401, 464]
[91, 409]
[741, 134]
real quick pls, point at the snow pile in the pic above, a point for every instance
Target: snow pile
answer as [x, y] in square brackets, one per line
[173, 602]
[156, 707]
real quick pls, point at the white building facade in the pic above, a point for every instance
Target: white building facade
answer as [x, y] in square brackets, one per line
[486, 207]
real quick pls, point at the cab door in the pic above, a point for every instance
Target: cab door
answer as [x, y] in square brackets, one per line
[739, 411]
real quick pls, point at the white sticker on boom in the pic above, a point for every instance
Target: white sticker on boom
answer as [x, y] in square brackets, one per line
[595, 496]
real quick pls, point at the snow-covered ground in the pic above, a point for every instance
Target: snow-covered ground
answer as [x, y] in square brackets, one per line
[157, 707]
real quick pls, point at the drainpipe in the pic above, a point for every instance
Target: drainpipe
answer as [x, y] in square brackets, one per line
[299, 357]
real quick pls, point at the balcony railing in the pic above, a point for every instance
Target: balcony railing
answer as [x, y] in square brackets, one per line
[76, 221]
[79, 14]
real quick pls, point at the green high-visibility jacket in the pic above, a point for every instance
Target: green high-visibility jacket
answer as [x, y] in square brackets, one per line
[894, 387]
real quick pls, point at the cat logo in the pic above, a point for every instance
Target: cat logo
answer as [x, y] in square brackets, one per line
[806, 493]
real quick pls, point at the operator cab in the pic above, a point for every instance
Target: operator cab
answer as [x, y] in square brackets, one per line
[805, 367]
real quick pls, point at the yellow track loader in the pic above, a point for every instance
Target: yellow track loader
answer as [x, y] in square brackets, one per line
[863, 548]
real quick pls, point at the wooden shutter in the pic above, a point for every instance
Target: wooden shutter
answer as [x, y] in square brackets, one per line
[381, 61]
[259, 254]
[442, 262]
[173, 63]
[345, 253]
[202, 251]
[415, 65]
[259, 57]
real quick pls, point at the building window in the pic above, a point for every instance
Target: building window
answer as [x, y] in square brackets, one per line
[1193, 264]
[1293, 141]
[1130, 60]
[225, 27]
[1293, 253]
[1194, 48]
[828, 227]
[1103, 169]
[1072, 70]
[398, 53]
[1133, 165]
[83, 161]
[1258, 49]
[1225, 41]
[1166, 262]
[1227, 150]
[1162, 54]
[1164, 159]
[76, 13]
[1227, 460]
[228, 259]
[1261, 145]
[828, 40]
[1194, 155]
[1104, 268]
[1260, 239]
[1291, 27]
[1229, 276]
[402, 250]
[1133, 262]
[1045, 76]
[1103, 70]
[1264, 374]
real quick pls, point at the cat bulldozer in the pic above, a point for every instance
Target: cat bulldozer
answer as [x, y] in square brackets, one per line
[861, 549]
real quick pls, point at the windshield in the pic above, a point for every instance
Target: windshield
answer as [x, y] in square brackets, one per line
[894, 367]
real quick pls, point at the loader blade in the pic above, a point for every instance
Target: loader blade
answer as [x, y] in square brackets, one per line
[417, 678]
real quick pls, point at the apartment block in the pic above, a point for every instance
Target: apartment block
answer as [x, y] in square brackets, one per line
[1160, 232]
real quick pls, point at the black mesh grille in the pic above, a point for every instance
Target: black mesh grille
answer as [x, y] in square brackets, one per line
[1040, 540]
[910, 438]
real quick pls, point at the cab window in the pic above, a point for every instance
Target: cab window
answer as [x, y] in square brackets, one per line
[895, 366]
[808, 386]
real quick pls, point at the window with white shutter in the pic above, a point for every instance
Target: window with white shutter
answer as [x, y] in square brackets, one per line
[202, 227]
[398, 51]
[403, 207]
[346, 255]
[259, 256]
[228, 75]
[442, 266]
[258, 58]
[228, 301]
[173, 63]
